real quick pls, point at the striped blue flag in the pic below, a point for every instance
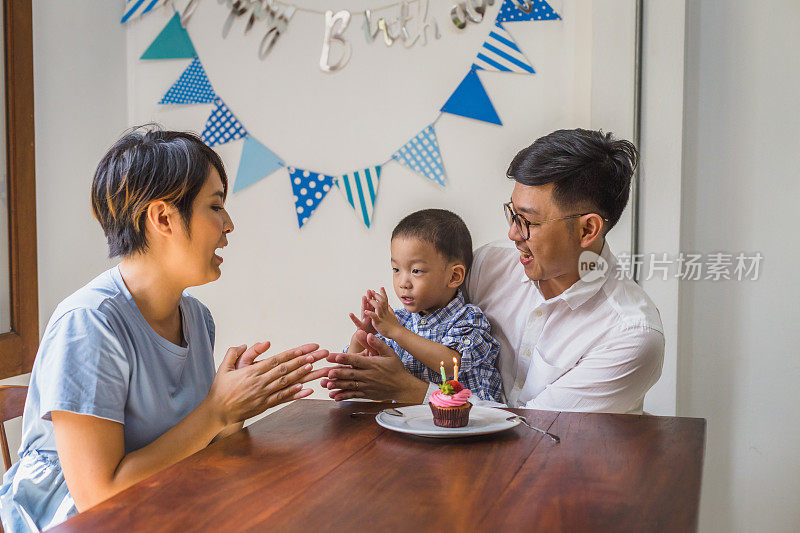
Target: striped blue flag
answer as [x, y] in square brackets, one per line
[360, 188]
[137, 8]
[500, 53]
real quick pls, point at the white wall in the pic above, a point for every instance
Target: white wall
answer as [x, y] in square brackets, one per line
[659, 176]
[739, 363]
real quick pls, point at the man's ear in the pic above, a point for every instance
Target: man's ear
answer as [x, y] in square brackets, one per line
[457, 275]
[160, 218]
[592, 227]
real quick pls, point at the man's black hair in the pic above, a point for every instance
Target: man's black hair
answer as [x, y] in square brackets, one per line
[590, 169]
[443, 229]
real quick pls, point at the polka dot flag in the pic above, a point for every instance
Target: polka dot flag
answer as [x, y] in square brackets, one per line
[360, 188]
[539, 10]
[309, 189]
[192, 87]
[222, 126]
[421, 154]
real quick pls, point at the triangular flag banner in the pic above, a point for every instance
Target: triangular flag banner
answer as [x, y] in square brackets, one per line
[137, 8]
[309, 189]
[536, 10]
[172, 43]
[470, 100]
[192, 87]
[222, 126]
[500, 53]
[421, 154]
[257, 162]
[360, 188]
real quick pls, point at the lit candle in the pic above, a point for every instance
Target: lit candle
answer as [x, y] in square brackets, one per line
[441, 369]
[455, 369]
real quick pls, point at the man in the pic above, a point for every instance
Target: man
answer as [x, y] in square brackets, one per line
[567, 343]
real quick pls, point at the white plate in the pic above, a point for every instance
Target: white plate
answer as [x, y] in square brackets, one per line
[418, 420]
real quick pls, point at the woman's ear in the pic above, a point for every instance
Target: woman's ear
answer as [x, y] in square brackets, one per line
[457, 275]
[160, 219]
[591, 228]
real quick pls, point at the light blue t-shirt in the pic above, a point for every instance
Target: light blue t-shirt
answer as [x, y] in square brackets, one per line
[100, 357]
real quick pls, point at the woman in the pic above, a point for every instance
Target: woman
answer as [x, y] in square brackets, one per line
[123, 384]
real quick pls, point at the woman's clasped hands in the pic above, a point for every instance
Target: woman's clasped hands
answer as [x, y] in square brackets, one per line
[244, 387]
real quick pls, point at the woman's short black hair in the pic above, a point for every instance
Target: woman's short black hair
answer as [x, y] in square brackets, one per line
[589, 169]
[443, 229]
[145, 165]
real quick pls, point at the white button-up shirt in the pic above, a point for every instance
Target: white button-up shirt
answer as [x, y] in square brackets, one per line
[598, 346]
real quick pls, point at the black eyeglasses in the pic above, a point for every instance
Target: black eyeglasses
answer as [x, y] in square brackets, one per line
[524, 225]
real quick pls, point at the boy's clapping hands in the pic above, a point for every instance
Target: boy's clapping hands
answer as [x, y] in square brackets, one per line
[382, 315]
[365, 323]
[377, 316]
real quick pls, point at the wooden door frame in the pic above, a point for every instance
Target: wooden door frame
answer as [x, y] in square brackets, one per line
[18, 347]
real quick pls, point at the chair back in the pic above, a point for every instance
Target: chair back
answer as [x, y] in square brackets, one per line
[12, 404]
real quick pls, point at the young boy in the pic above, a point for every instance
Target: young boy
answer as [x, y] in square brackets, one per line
[431, 251]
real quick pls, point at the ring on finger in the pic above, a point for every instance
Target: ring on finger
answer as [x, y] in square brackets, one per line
[356, 385]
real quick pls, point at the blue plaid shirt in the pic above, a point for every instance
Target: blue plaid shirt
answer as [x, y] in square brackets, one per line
[464, 328]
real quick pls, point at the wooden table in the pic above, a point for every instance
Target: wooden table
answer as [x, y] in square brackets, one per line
[312, 467]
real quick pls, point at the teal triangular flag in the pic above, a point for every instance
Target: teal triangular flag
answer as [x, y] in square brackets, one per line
[172, 43]
[257, 162]
[470, 100]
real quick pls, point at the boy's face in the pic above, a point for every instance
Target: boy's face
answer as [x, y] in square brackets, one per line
[423, 279]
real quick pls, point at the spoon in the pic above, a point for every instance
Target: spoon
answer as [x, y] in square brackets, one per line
[525, 422]
[390, 411]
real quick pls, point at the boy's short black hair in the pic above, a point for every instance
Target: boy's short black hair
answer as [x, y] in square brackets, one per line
[589, 168]
[443, 229]
[145, 165]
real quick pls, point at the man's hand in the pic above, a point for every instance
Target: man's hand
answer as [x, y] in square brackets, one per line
[378, 377]
[382, 315]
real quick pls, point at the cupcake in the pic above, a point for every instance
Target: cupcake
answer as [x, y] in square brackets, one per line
[449, 405]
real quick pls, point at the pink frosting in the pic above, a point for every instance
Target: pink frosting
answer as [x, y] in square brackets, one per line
[439, 399]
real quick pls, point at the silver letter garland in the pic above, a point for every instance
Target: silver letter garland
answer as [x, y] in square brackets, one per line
[404, 27]
[472, 11]
[423, 24]
[335, 25]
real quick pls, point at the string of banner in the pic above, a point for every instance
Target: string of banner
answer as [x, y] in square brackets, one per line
[421, 154]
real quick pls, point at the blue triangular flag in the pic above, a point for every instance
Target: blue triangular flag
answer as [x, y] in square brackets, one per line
[257, 162]
[534, 10]
[421, 154]
[500, 53]
[470, 100]
[360, 189]
[222, 126]
[192, 87]
[309, 189]
[172, 43]
[137, 8]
